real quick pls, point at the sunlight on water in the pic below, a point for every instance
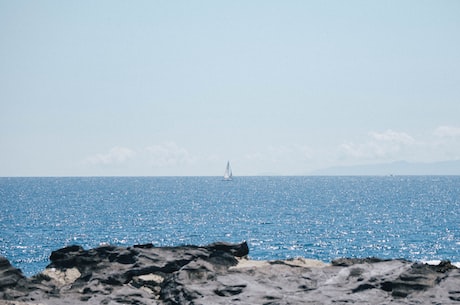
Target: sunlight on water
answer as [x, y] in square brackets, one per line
[316, 217]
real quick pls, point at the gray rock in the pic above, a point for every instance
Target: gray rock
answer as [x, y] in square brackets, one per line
[220, 274]
[9, 276]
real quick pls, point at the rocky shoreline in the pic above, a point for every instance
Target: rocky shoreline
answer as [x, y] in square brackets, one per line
[219, 273]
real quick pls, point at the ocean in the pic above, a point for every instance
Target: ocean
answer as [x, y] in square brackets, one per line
[411, 217]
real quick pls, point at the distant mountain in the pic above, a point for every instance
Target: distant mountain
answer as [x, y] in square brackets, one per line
[394, 168]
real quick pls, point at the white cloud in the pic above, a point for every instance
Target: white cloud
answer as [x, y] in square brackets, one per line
[167, 154]
[159, 155]
[447, 131]
[387, 145]
[392, 136]
[116, 155]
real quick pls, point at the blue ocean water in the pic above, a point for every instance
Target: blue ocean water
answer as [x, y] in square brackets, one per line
[412, 217]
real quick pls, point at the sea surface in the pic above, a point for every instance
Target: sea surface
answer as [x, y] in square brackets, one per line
[411, 217]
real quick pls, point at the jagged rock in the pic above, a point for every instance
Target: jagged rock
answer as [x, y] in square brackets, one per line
[238, 250]
[418, 277]
[9, 276]
[220, 273]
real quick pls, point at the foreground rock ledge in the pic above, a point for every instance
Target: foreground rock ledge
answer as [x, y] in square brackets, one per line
[220, 274]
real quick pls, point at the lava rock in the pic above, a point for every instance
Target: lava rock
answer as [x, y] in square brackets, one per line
[220, 273]
[9, 276]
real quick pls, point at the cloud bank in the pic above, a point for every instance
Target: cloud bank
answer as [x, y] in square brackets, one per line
[447, 131]
[391, 145]
[167, 154]
[116, 155]
[381, 145]
[168, 158]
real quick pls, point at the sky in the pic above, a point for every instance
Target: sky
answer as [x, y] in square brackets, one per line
[177, 88]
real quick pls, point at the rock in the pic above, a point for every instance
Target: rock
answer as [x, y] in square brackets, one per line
[13, 284]
[418, 277]
[220, 273]
[238, 250]
[9, 276]
[62, 277]
[352, 261]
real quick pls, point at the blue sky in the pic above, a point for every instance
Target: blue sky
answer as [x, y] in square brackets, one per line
[180, 87]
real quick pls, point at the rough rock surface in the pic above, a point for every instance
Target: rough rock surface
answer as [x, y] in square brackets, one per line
[220, 274]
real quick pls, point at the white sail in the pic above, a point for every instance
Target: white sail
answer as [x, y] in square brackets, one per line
[228, 172]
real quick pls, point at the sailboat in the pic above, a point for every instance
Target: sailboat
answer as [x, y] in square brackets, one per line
[228, 172]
